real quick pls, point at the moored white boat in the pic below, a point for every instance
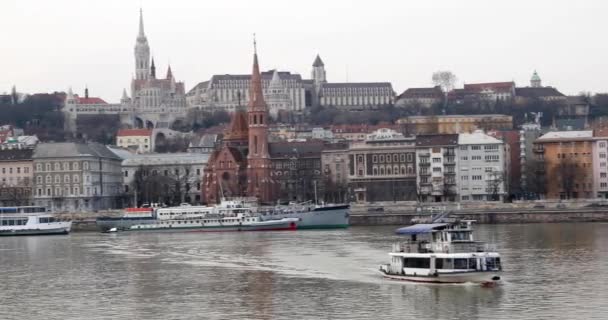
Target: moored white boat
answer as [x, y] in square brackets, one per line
[442, 253]
[29, 221]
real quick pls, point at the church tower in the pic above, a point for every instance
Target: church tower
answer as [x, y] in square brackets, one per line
[318, 71]
[535, 80]
[259, 181]
[142, 52]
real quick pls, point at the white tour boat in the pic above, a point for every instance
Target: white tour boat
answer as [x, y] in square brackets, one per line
[18, 221]
[230, 215]
[442, 253]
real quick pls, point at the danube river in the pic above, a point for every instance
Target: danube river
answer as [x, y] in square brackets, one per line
[552, 271]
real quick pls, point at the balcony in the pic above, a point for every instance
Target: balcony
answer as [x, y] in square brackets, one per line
[449, 173]
[424, 173]
[424, 164]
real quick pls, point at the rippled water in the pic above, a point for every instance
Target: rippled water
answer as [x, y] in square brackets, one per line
[557, 271]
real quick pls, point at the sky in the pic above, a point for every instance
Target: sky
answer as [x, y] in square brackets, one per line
[53, 45]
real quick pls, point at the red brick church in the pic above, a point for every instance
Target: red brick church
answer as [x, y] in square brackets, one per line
[241, 166]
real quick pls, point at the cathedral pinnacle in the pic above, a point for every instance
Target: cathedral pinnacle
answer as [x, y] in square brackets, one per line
[141, 24]
[169, 73]
[153, 69]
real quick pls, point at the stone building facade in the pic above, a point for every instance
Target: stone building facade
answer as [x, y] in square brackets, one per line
[436, 160]
[448, 124]
[383, 167]
[16, 172]
[76, 177]
[334, 161]
[179, 173]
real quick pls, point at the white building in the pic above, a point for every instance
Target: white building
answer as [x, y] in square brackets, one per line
[136, 140]
[155, 102]
[180, 168]
[482, 167]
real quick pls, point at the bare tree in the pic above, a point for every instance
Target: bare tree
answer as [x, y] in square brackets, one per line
[570, 173]
[446, 80]
[495, 183]
[535, 182]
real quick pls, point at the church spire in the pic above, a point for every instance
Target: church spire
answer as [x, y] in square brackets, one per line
[256, 94]
[141, 24]
[153, 69]
[169, 73]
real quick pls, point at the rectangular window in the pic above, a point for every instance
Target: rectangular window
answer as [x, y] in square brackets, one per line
[464, 148]
[464, 158]
[436, 160]
[475, 147]
[476, 177]
[602, 155]
[475, 158]
[464, 178]
[436, 169]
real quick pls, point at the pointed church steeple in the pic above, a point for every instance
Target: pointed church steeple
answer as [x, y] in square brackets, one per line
[153, 69]
[142, 52]
[256, 94]
[141, 34]
[169, 73]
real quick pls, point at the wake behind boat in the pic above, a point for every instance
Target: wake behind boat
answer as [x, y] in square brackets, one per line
[442, 253]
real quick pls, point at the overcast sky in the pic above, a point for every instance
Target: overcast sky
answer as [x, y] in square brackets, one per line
[52, 45]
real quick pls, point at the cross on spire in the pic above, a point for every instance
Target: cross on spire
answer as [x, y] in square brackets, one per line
[255, 47]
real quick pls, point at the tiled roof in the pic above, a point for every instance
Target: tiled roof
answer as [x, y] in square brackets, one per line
[559, 135]
[90, 100]
[16, 154]
[71, 149]
[532, 92]
[357, 85]
[134, 132]
[420, 93]
[295, 149]
[425, 140]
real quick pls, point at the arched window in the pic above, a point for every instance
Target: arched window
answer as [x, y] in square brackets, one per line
[402, 170]
[85, 166]
[76, 179]
[49, 179]
[375, 170]
[38, 167]
[39, 179]
[48, 167]
[75, 166]
[57, 166]
[57, 179]
[388, 170]
[66, 179]
[66, 166]
[381, 171]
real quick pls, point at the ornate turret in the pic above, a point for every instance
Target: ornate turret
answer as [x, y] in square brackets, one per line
[142, 52]
[535, 80]
[169, 73]
[153, 69]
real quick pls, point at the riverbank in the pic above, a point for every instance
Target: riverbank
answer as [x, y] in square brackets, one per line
[489, 216]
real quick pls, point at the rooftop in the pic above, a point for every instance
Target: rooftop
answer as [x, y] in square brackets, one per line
[16, 154]
[173, 159]
[566, 135]
[533, 92]
[477, 137]
[71, 149]
[134, 132]
[424, 140]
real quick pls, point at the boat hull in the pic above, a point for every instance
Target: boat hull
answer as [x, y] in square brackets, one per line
[287, 224]
[321, 218]
[481, 277]
[121, 223]
[35, 232]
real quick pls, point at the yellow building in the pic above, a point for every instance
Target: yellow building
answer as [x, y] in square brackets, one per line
[567, 158]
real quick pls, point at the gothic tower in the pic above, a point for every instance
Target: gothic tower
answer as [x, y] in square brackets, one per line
[535, 80]
[259, 180]
[318, 71]
[142, 52]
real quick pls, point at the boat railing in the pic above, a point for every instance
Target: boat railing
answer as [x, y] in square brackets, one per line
[439, 247]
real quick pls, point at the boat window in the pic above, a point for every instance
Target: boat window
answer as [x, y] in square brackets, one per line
[472, 263]
[460, 264]
[460, 236]
[416, 263]
[493, 263]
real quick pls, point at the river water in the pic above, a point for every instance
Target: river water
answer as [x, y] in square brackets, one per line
[552, 271]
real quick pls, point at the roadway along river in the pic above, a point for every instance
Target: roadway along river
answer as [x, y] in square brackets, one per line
[552, 271]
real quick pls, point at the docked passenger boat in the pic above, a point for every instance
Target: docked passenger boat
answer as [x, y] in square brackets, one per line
[228, 216]
[130, 217]
[442, 253]
[18, 221]
[311, 216]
